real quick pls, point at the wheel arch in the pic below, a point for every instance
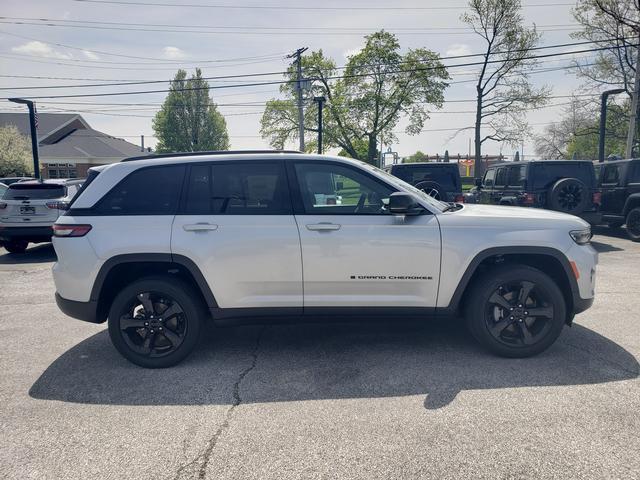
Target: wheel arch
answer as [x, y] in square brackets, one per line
[546, 259]
[121, 270]
[630, 203]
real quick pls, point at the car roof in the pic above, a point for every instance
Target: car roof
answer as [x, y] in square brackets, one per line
[426, 164]
[531, 162]
[211, 152]
[617, 162]
[51, 181]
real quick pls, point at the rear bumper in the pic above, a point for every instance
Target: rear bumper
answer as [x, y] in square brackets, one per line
[85, 311]
[30, 234]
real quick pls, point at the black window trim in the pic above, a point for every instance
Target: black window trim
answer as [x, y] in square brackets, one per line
[277, 161]
[294, 187]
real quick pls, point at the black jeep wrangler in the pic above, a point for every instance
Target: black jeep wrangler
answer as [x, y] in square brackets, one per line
[620, 185]
[567, 186]
[440, 180]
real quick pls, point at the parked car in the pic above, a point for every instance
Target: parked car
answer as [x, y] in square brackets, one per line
[162, 244]
[3, 188]
[440, 180]
[620, 185]
[567, 186]
[9, 180]
[28, 210]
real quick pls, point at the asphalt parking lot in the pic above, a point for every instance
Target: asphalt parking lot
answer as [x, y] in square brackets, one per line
[389, 400]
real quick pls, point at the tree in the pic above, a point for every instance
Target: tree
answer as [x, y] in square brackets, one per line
[417, 157]
[577, 132]
[365, 102]
[503, 89]
[189, 121]
[16, 158]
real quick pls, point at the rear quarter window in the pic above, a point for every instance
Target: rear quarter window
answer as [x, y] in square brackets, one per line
[445, 176]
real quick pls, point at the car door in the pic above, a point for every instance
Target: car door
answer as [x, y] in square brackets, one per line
[499, 185]
[355, 253]
[612, 192]
[236, 224]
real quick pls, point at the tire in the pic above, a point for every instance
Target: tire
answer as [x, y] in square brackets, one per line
[569, 195]
[498, 328]
[147, 339]
[16, 246]
[633, 224]
[432, 189]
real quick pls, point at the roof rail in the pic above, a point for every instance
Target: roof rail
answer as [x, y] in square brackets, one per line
[212, 152]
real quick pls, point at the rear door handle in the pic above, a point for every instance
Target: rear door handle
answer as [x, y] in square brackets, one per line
[323, 226]
[200, 227]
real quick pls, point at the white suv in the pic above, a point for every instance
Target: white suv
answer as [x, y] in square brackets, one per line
[28, 210]
[161, 244]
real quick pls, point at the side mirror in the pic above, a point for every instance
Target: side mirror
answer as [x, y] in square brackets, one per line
[402, 203]
[478, 182]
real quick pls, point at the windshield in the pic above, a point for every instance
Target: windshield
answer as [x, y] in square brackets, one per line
[436, 204]
[29, 191]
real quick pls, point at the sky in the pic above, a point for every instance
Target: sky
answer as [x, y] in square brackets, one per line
[243, 37]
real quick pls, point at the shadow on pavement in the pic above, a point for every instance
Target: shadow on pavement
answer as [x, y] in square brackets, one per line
[610, 232]
[41, 253]
[315, 362]
[605, 247]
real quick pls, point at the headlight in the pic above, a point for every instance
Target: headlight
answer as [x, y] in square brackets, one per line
[581, 237]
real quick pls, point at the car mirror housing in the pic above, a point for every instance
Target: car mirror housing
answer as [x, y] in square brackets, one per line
[403, 203]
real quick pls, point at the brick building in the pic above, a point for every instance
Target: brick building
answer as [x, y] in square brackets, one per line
[68, 146]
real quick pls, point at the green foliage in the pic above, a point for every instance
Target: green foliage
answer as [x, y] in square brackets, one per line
[379, 86]
[189, 121]
[16, 158]
[417, 157]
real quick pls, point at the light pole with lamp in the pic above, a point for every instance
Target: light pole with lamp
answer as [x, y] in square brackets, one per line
[34, 134]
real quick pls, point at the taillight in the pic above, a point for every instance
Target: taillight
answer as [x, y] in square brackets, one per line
[597, 198]
[57, 205]
[70, 230]
[3, 205]
[459, 199]
[528, 199]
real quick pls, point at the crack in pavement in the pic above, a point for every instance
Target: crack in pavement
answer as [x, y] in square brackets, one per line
[189, 469]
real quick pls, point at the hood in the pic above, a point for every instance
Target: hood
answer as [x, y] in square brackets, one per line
[535, 217]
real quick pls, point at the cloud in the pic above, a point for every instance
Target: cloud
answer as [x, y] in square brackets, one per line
[40, 49]
[456, 49]
[90, 55]
[173, 53]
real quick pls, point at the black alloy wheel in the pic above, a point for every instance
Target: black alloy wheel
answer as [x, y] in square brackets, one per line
[633, 224]
[518, 314]
[155, 322]
[515, 310]
[570, 196]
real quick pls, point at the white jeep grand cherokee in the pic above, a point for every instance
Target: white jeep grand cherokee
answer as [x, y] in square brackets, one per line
[158, 245]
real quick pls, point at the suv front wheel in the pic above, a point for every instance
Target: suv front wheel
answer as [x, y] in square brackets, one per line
[515, 311]
[155, 322]
[633, 224]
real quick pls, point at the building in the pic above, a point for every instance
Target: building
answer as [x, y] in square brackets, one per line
[68, 145]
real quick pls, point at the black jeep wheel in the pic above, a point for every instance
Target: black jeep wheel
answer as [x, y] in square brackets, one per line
[515, 311]
[16, 246]
[633, 224]
[569, 195]
[155, 322]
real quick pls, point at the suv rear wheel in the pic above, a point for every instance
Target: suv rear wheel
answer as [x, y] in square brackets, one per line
[155, 322]
[515, 311]
[633, 224]
[16, 246]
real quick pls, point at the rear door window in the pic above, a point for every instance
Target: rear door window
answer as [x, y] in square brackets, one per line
[43, 191]
[238, 188]
[634, 173]
[147, 191]
[501, 177]
[611, 175]
[516, 176]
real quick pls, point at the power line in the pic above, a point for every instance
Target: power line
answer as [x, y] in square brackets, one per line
[281, 82]
[287, 7]
[452, 57]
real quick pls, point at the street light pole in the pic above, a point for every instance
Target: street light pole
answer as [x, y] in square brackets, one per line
[34, 134]
[320, 101]
[603, 120]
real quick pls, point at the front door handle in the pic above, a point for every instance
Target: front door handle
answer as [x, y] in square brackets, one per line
[323, 226]
[200, 227]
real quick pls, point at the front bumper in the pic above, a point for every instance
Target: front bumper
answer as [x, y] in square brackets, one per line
[85, 311]
[30, 234]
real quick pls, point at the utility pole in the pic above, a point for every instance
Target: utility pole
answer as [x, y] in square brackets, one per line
[142, 143]
[297, 54]
[634, 108]
[320, 101]
[34, 134]
[603, 120]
